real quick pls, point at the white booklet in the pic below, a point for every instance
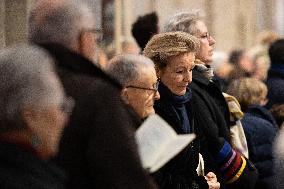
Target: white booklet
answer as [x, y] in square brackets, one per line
[158, 143]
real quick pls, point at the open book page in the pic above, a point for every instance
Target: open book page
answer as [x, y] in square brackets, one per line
[171, 150]
[158, 142]
[151, 137]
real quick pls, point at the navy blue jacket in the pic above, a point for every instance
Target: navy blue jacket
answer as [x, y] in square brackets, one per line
[260, 129]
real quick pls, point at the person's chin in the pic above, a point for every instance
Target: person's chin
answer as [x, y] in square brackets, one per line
[182, 92]
[149, 112]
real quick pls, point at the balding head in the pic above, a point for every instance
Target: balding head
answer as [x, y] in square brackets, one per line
[59, 21]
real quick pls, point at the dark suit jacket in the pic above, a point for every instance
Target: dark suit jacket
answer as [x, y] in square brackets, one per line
[97, 149]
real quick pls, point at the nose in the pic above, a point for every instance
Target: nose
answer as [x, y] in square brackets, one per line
[188, 76]
[212, 41]
[157, 95]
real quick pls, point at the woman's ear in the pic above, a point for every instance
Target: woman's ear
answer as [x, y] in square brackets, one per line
[159, 73]
[124, 95]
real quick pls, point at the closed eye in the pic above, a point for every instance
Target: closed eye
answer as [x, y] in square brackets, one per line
[179, 72]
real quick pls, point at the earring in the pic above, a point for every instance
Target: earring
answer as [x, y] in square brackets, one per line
[35, 141]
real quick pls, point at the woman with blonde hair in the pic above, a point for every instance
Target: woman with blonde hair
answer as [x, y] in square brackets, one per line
[173, 54]
[259, 126]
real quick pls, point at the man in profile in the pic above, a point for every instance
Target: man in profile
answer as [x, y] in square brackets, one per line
[98, 148]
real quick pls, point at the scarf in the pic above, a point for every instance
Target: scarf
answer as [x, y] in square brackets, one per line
[205, 70]
[179, 105]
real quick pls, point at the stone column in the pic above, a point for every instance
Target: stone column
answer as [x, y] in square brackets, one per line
[279, 17]
[15, 21]
[2, 24]
[127, 18]
[117, 25]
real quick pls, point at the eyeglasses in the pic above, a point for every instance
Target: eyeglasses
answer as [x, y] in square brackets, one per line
[153, 90]
[67, 105]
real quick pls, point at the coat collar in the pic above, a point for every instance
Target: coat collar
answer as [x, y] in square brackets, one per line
[199, 78]
[74, 62]
[163, 107]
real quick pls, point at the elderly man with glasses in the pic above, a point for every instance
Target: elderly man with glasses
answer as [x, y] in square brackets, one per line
[137, 75]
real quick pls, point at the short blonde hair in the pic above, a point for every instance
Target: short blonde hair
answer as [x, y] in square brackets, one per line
[248, 91]
[165, 45]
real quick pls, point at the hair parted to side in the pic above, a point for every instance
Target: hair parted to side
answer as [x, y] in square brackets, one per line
[184, 21]
[27, 79]
[60, 24]
[248, 91]
[127, 68]
[165, 45]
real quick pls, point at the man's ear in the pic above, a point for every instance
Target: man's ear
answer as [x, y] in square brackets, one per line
[124, 95]
[87, 45]
[29, 117]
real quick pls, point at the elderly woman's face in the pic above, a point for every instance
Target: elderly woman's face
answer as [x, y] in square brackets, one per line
[206, 43]
[141, 94]
[178, 73]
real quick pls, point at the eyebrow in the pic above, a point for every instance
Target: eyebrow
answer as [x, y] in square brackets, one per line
[185, 67]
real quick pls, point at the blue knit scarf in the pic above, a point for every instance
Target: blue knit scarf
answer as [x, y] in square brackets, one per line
[179, 105]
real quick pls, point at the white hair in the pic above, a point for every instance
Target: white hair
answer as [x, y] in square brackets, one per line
[184, 21]
[61, 24]
[27, 79]
[127, 68]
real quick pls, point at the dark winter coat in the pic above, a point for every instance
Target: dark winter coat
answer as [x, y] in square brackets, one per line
[217, 109]
[275, 86]
[210, 109]
[97, 149]
[180, 172]
[21, 168]
[260, 130]
[212, 118]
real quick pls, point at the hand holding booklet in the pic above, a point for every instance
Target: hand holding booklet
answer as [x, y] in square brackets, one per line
[158, 143]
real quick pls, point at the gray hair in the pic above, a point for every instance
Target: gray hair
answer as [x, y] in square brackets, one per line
[27, 79]
[127, 68]
[185, 21]
[60, 24]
